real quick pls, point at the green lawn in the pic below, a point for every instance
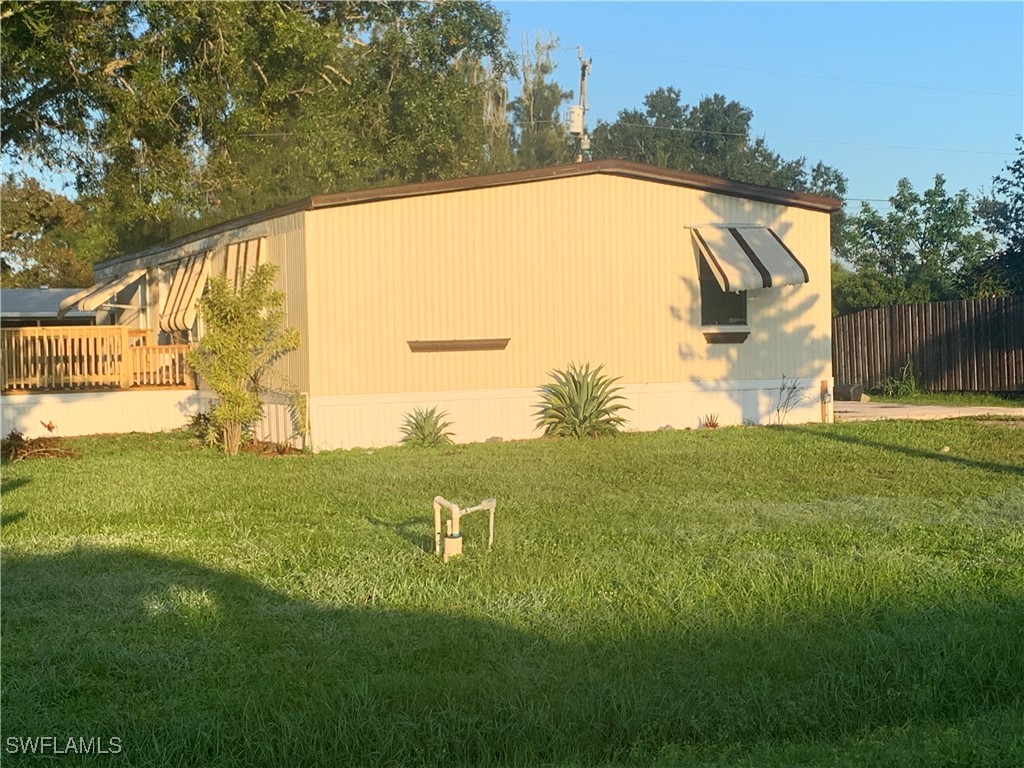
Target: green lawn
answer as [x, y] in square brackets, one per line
[824, 595]
[957, 399]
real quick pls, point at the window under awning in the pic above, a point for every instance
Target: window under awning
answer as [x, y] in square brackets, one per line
[90, 299]
[748, 258]
[179, 311]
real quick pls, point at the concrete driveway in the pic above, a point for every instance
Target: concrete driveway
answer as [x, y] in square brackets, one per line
[851, 411]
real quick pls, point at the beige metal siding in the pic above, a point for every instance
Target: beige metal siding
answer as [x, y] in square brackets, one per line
[286, 249]
[598, 269]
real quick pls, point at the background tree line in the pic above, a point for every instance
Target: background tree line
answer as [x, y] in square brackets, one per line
[170, 116]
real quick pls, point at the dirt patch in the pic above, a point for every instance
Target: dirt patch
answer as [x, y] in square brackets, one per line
[17, 447]
[268, 449]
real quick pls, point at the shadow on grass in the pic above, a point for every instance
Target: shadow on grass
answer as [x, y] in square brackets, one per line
[415, 531]
[916, 453]
[11, 517]
[191, 666]
[8, 484]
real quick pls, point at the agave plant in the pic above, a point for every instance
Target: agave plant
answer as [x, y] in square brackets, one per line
[580, 403]
[426, 428]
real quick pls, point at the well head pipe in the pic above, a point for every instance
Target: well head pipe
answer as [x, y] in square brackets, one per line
[451, 545]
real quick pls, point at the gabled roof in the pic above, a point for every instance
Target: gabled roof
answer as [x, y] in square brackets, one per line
[609, 167]
[622, 168]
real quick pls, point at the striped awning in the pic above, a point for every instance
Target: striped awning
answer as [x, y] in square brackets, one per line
[179, 311]
[90, 299]
[240, 259]
[748, 258]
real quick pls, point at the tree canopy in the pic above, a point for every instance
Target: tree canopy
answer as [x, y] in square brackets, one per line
[539, 138]
[926, 248]
[39, 228]
[1002, 211]
[175, 114]
[712, 137]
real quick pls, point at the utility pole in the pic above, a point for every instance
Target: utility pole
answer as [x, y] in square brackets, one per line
[584, 145]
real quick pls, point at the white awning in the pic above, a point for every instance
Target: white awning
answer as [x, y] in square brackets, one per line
[240, 259]
[90, 299]
[179, 311]
[748, 258]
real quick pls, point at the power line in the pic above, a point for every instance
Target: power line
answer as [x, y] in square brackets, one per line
[730, 133]
[791, 138]
[806, 76]
[895, 146]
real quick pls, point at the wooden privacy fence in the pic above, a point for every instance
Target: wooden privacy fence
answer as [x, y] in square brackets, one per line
[88, 357]
[969, 345]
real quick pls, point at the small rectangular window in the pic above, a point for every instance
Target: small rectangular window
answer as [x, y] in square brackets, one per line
[718, 307]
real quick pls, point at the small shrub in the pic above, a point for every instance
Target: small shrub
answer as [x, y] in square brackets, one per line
[245, 336]
[426, 428]
[13, 446]
[789, 397]
[710, 421]
[203, 428]
[903, 385]
[580, 403]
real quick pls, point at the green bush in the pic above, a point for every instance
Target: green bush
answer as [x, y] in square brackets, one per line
[245, 335]
[580, 403]
[202, 427]
[426, 428]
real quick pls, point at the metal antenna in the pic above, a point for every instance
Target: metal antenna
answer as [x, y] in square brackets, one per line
[584, 145]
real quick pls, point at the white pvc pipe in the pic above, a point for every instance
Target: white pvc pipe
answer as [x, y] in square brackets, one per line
[452, 527]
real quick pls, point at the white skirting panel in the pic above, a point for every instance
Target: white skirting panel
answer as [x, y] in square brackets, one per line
[368, 421]
[90, 413]
[278, 424]
[281, 422]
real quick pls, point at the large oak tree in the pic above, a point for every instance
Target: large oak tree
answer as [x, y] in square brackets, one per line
[171, 115]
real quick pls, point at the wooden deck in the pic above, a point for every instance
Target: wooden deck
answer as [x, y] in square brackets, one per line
[78, 358]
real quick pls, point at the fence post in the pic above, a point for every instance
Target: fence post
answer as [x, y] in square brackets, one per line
[126, 359]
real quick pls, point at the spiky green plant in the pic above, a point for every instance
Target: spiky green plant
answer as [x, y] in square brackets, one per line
[580, 403]
[426, 428]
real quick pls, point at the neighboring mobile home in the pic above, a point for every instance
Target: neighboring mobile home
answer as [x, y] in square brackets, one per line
[705, 296]
[38, 308]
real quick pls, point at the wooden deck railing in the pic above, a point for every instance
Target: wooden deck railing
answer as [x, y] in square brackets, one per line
[88, 357]
[156, 366]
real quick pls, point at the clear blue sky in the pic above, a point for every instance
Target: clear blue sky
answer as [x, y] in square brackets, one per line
[828, 81]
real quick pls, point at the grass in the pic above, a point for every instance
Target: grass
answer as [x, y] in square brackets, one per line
[819, 595]
[957, 399]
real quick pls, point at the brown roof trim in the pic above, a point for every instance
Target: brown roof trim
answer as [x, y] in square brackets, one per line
[612, 167]
[306, 204]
